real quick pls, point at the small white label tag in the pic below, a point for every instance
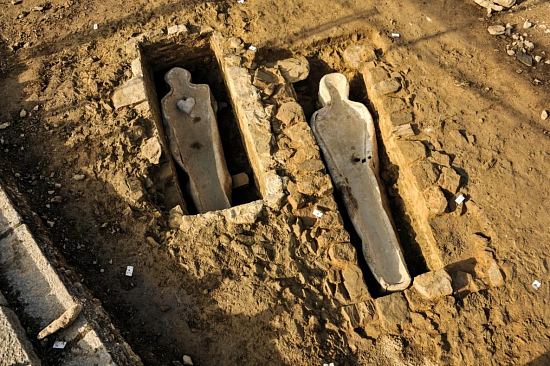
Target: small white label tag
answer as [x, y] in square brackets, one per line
[129, 271]
[318, 213]
[59, 344]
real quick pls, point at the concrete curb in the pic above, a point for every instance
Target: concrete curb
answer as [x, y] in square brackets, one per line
[41, 294]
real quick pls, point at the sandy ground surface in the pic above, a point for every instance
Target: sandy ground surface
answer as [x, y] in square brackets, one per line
[248, 294]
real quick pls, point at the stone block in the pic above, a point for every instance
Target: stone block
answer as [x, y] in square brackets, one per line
[463, 283]
[433, 285]
[132, 92]
[401, 118]
[449, 179]
[289, 113]
[393, 309]
[244, 214]
[360, 314]
[387, 86]
[28, 271]
[353, 281]
[343, 252]
[254, 122]
[15, 348]
[294, 69]
[358, 54]
[435, 200]
[412, 151]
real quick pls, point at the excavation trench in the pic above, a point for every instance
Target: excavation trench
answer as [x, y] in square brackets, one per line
[200, 61]
[307, 97]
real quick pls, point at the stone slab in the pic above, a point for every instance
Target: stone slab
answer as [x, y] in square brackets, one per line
[194, 139]
[15, 348]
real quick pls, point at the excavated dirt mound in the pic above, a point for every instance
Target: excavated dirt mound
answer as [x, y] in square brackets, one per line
[270, 289]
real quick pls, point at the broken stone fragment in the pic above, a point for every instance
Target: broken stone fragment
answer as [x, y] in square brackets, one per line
[132, 92]
[433, 285]
[449, 179]
[358, 54]
[267, 79]
[151, 150]
[360, 314]
[240, 180]
[175, 217]
[505, 3]
[496, 30]
[354, 282]
[345, 133]
[489, 5]
[66, 319]
[403, 131]
[244, 214]
[290, 112]
[524, 58]
[392, 309]
[435, 200]
[137, 70]
[195, 142]
[463, 283]
[387, 86]
[177, 28]
[294, 69]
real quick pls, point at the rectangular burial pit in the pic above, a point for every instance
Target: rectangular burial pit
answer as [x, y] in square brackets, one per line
[306, 93]
[196, 56]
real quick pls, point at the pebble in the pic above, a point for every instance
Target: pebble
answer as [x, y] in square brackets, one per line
[4, 125]
[178, 28]
[496, 30]
[23, 113]
[79, 177]
[187, 360]
[527, 24]
[511, 52]
[538, 58]
[15, 2]
[544, 115]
